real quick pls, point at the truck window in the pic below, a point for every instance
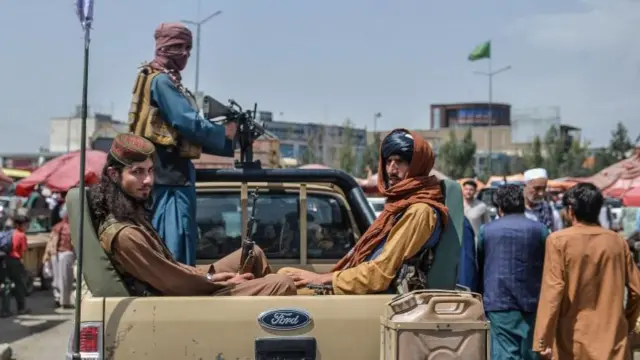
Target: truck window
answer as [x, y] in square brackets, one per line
[277, 232]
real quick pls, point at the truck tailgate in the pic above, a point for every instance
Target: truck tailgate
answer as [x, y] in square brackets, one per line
[342, 327]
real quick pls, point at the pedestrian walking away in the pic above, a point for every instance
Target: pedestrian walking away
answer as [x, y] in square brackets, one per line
[510, 257]
[586, 270]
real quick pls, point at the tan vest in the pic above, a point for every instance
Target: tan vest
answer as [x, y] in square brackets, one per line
[108, 232]
[145, 119]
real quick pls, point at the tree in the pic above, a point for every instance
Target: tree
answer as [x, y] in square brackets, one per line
[619, 145]
[346, 154]
[620, 142]
[554, 147]
[310, 153]
[371, 154]
[534, 158]
[574, 160]
[456, 158]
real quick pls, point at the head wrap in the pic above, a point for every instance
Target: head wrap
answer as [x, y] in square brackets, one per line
[129, 148]
[418, 187]
[399, 143]
[538, 173]
[168, 35]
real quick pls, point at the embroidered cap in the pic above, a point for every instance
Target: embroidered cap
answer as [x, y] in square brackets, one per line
[130, 148]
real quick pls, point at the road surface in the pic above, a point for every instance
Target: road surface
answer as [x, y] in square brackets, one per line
[44, 334]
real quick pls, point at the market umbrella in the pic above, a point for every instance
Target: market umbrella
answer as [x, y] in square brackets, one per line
[631, 198]
[62, 173]
[5, 181]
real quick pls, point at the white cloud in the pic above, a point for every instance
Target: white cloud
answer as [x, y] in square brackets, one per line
[587, 61]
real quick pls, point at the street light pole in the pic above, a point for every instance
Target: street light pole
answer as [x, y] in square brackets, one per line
[490, 74]
[198, 25]
[376, 116]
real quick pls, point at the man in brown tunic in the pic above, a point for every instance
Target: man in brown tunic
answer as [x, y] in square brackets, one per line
[122, 207]
[586, 269]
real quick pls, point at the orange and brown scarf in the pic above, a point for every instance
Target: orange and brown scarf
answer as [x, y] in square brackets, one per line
[418, 187]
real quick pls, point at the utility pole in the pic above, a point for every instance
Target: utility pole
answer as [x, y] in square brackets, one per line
[490, 74]
[376, 136]
[198, 24]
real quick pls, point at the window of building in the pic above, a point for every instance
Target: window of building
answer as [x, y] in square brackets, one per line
[287, 150]
[277, 231]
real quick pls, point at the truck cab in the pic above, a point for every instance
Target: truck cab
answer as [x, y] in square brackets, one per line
[307, 219]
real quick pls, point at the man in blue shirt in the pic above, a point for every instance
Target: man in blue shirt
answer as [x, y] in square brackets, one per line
[510, 262]
[165, 112]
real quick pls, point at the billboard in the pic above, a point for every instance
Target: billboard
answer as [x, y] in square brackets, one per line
[471, 114]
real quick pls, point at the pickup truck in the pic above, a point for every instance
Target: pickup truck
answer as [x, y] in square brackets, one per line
[318, 206]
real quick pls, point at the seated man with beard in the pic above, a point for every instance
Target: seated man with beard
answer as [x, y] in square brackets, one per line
[396, 252]
[122, 206]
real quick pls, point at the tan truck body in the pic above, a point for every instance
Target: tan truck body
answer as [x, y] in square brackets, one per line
[446, 324]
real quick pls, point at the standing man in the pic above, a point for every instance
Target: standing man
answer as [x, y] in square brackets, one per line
[537, 206]
[510, 258]
[475, 210]
[165, 112]
[586, 269]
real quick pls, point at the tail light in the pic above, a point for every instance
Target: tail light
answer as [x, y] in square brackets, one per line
[90, 342]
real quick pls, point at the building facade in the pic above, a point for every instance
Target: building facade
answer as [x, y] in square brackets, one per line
[322, 141]
[65, 132]
[469, 114]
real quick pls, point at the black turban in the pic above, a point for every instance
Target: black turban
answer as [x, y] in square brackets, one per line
[399, 143]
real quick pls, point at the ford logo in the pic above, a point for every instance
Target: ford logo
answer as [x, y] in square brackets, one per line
[284, 319]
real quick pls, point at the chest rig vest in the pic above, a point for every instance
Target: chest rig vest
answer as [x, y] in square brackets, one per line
[145, 119]
[413, 272]
[107, 233]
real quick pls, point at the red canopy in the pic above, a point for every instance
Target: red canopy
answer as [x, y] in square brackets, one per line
[632, 197]
[617, 178]
[63, 172]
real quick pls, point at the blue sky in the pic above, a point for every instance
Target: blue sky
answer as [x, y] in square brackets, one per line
[325, 61]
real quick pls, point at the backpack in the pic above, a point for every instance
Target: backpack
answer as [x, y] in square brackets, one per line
[6, 242]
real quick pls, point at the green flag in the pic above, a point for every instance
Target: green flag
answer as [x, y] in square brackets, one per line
[482, 51]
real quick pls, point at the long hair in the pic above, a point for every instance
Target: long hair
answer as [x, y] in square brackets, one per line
[108, 198]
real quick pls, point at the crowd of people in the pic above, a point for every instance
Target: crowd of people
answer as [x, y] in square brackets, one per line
[567, 289]
[42, 211]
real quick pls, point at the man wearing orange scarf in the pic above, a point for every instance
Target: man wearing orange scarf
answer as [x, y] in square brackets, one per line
[413, 218]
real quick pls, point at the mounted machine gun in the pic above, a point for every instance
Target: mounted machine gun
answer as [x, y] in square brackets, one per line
[248, 128]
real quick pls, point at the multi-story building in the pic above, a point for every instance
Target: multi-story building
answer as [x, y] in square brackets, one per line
[322, 140]
[65, 132]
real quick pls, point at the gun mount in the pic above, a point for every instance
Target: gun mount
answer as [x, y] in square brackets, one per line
[248, 128]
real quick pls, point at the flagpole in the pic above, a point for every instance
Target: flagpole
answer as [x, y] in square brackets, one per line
[83, 150]
[489, 167]
[490, 74]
